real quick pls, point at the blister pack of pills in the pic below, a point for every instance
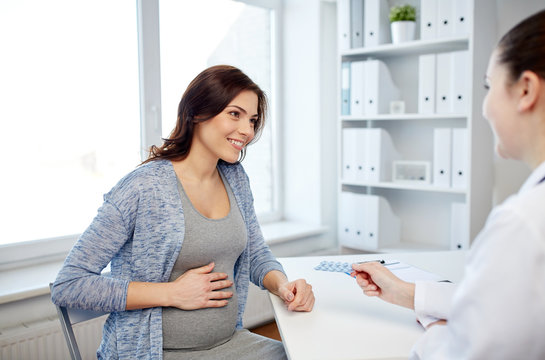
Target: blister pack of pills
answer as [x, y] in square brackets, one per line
[334, 266]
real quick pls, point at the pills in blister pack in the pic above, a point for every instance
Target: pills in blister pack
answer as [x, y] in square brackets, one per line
[334, 266]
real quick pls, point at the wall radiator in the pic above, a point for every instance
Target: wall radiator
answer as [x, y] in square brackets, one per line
[45, 340]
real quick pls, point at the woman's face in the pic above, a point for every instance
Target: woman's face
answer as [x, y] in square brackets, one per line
[500, 109]
[226, 134]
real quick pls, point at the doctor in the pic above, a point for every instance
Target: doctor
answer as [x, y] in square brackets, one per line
[497, 311]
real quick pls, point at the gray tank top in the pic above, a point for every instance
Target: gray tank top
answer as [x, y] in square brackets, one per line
[206, 240]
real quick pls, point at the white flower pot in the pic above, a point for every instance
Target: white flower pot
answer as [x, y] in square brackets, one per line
[402, 31]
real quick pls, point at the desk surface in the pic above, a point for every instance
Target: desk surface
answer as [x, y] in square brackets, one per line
[346, 324]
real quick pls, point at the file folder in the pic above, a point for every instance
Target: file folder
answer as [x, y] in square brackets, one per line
[379, 88]
[428, 19]
[357, 88]
[361, 156]
[376, 23]
[343, 24]
[462, 17]
[459, 158]
[426, 84]
[459, 226]
[442, 140]
[349, 155]
[345, 88]
[356, 27]
[460, 88]
[443, 97]
[445, 18]
[346, 221]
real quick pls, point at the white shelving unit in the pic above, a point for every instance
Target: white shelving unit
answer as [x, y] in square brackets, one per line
[424, 210]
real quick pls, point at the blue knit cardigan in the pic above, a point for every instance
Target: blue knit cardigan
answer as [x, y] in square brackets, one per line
[140, 230]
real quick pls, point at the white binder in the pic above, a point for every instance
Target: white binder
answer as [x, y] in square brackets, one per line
[445, 18]
[356, 27]
[357, 88]
[361, 155]
[459, 82]
[442, 139]
[345, 88]
[443, 89]
[349, 155]
[428, 19]
[463, 17]
[459, 158]
[426, 84]
[380, 153]
[379, 88]
[375, 224]
[346, 221]
[376, 23]
[343, 24]
[459, 226]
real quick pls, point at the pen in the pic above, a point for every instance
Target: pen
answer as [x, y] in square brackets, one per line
[368, 261]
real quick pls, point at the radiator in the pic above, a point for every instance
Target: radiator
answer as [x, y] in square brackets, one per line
[45, 341]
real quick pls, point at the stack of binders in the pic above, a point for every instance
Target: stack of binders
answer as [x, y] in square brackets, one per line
[450, 157]
[366, 222]
[445, 18]
[367, 88]
[367, 155]
[362, 23]
[443, 87]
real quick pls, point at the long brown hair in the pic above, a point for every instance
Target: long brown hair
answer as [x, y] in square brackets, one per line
[523, 47]
[205, 97]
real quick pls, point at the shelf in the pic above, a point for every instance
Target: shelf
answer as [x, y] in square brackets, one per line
[411, 247]
[404, 186]
[386, 117]
[416, 47]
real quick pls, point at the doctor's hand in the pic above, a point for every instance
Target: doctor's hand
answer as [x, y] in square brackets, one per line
[297, 295]
[376, 280]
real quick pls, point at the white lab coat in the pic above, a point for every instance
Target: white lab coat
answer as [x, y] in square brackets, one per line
[498, 309]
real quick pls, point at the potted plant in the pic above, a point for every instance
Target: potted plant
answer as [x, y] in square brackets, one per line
[403, 23]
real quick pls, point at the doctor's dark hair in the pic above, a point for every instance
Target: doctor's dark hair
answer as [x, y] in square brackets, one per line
[523, 47]
[205, 97]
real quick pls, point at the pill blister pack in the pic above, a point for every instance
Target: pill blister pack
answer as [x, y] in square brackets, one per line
[334, 266]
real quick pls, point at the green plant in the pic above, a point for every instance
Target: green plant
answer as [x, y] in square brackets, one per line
[402, 13]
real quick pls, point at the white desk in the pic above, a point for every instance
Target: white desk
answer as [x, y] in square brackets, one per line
[346, 324]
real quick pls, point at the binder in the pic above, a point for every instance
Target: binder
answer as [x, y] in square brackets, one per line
[376, 23]
[379, 88]
[361, 155]
[462, 17]
[426, 84]
[459, 158]
[428, 19]
[375, 224]
[443, 93]
[346, 221]
[357, 88]
[460, 86]
[442, 139]
[445, 18]
[380, 154]
[345, 88]
[349, 155]
[343, 24]
[459, 226]
[356, 26]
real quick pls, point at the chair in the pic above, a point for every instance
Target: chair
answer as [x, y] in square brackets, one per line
[69, 317]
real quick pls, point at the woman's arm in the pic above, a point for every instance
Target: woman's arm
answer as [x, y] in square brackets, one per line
[297, 295]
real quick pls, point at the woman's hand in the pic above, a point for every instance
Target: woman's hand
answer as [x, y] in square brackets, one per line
[376, 280]
[199, 288]
[297, 295]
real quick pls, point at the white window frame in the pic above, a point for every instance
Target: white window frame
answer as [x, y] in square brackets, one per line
[55, 249]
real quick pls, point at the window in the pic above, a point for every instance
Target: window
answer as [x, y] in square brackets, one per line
[70, 121]
[70, 115]
[199, 34]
